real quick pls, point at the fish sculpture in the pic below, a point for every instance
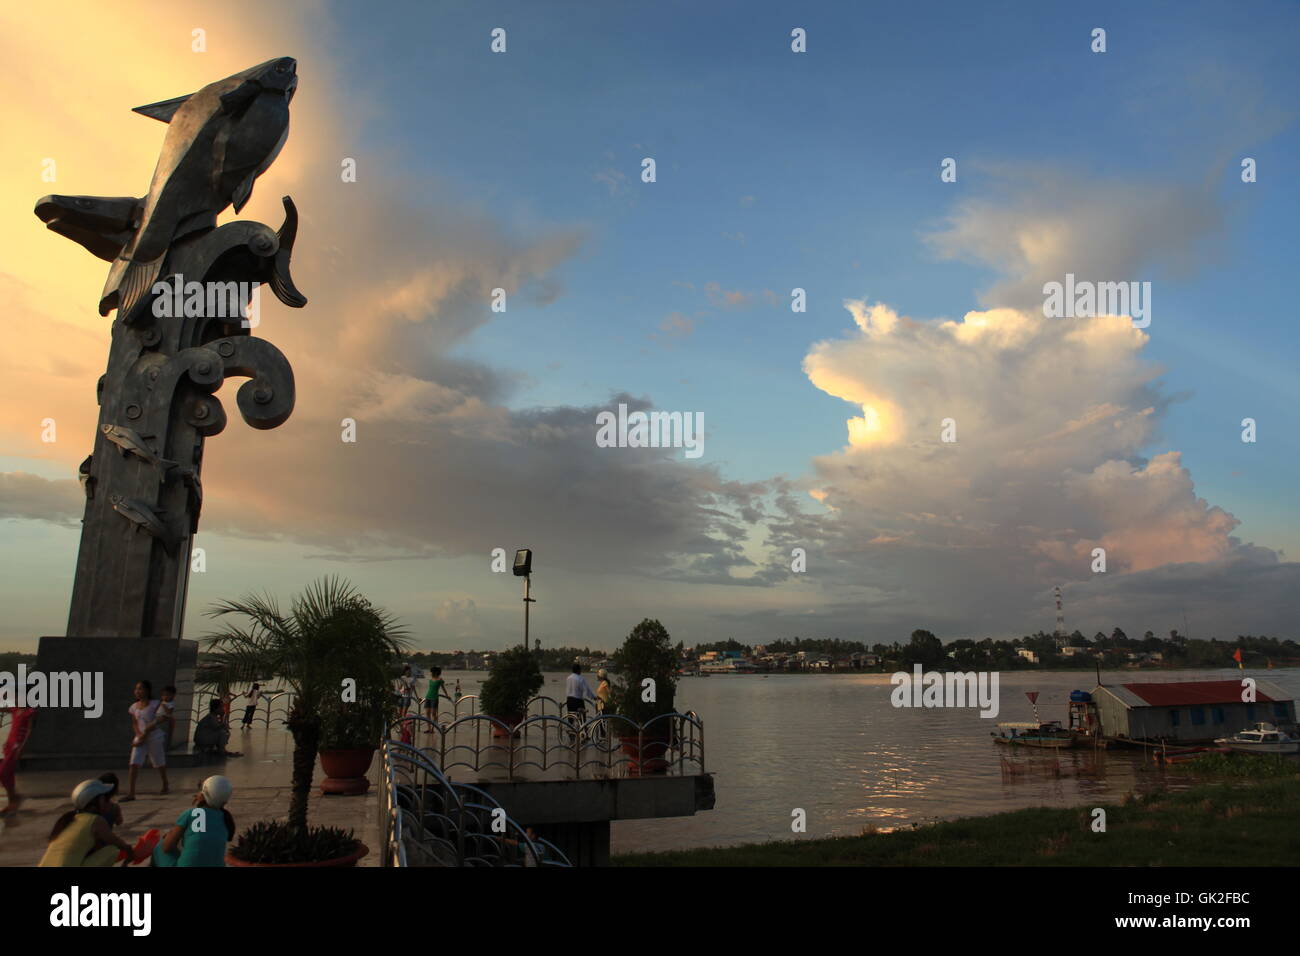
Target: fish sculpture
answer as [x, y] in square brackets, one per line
[144, 517]
[87, 479]
[129, 441]
[103, 225]
[219, 140]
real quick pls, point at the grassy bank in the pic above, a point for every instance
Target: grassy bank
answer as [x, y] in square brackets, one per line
[1222, 824]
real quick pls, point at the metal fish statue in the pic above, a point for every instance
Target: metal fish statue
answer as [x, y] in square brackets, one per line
[87, 479]
[102, 224]
[144, 516]
[219, 141]
[130, 441]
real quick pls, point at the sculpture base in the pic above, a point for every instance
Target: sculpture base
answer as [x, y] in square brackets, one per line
[65, 738]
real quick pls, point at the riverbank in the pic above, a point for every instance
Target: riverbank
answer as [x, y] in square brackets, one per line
[1219, 824]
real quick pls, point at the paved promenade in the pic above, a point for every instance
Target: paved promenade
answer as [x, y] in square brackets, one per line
[261, 779]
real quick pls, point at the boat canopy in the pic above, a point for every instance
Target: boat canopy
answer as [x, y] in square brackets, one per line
[1020, 725]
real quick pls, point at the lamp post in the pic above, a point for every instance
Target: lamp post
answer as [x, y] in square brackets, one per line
[524, 569]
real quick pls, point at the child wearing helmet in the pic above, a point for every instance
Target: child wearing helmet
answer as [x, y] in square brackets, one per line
[201, 833]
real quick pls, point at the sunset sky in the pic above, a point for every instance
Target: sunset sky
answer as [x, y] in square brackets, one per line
[775, 170]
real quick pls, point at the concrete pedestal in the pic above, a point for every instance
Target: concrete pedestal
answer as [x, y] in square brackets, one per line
[575, 814]
[585, 844]
[66, 739]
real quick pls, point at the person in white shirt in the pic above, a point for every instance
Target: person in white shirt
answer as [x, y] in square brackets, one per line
[577, 691]
[147, 738]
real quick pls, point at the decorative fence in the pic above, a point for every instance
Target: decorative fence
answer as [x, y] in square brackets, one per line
[553, 746]
[272, 710]
[429, 821]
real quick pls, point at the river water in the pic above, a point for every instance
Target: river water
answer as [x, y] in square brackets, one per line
[833, 745]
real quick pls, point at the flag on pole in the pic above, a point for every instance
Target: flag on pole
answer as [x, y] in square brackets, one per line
[1236, 656]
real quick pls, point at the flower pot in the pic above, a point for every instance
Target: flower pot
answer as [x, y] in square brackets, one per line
[512, 721]
[349, 859]
[646, 754]
[346, 771]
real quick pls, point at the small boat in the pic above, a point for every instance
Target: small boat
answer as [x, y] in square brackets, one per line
[1262, 739]
[1048, 736]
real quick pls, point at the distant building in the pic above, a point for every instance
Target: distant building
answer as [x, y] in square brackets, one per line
[1027, 654]
[1190, 711]
[1071, 651]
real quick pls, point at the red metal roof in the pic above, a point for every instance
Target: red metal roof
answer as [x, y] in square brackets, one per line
[1192, 693]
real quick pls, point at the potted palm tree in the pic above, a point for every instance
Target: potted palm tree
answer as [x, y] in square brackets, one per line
[647, 653]
[513, 678]
[331, 635]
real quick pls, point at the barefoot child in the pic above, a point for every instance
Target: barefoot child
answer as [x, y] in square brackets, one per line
[148, 738]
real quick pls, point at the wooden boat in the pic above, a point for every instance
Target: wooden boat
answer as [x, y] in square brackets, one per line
[1048, 736]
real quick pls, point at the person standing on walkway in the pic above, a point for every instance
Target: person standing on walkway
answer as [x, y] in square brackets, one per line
[604, 692]
[254, 696]
[577, 692]
[147, 738]
[405, 689]
[227, 698]
[435, 689]
[20, 729]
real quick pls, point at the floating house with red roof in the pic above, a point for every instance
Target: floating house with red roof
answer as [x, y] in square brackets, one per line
[1188, 711]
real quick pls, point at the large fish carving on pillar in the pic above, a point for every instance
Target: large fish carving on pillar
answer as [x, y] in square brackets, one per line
[157, 397]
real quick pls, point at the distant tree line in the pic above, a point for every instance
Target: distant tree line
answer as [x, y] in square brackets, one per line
[926, 649]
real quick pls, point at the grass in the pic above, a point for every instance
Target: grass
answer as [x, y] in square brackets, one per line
[1252, 766]
[1219, 824]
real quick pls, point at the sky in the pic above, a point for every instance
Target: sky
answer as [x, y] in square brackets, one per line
[774, 170]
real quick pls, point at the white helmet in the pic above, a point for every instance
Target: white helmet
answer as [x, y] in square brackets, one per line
[601, 673]
[216, 791]
[88, 791]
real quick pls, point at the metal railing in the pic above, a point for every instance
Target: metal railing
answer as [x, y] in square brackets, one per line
[558, 747]
[273, 708]
[429, 821]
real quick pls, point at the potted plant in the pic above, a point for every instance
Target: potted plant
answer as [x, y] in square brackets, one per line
[330, 636]
[350, 732]
[647, 653]
[514, 677]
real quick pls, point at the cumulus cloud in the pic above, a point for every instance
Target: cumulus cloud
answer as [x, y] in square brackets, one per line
[457, 620]
[1051, 418]
[1038, 224]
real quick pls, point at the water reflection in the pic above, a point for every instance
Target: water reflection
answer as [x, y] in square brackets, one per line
[833, 746]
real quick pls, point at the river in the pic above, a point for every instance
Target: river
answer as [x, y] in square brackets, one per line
[834, 746]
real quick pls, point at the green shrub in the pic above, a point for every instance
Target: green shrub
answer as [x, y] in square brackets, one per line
[275, 841]
[514, 677]
[647, 652]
